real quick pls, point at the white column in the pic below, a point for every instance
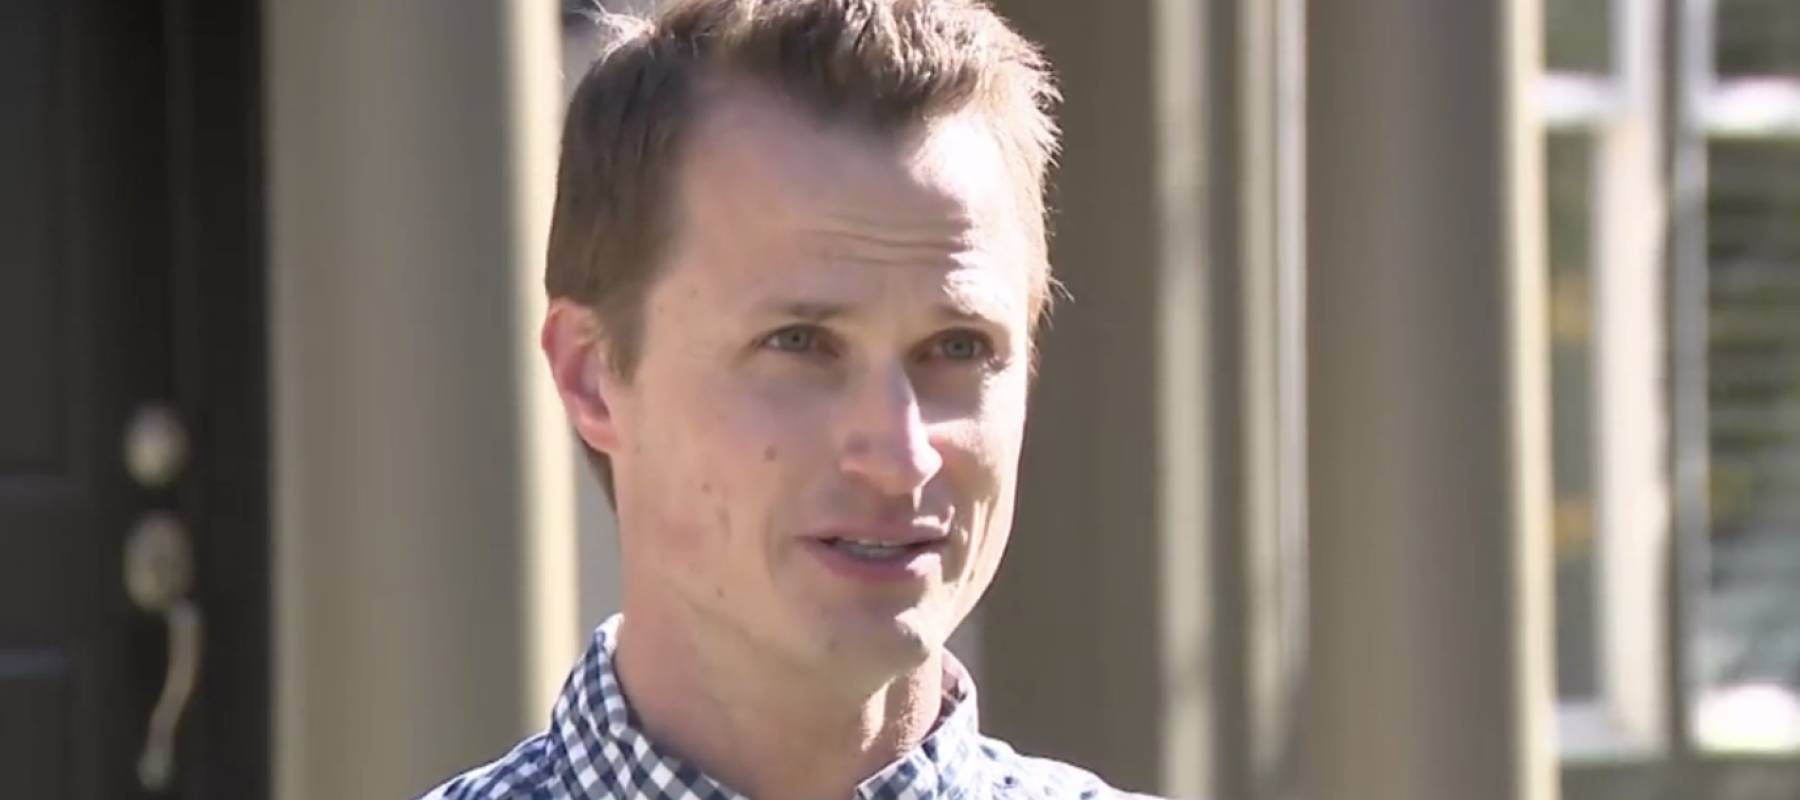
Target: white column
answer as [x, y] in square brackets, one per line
[423, 491]
[1430, 626]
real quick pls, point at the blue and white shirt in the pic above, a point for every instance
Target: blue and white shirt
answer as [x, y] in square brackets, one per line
[595, 748]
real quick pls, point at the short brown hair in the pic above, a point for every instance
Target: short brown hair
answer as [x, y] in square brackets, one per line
[889, 66]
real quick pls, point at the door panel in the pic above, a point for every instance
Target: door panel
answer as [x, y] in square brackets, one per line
[34, 727]
[83, 254]
[130, 274]
[33, 438]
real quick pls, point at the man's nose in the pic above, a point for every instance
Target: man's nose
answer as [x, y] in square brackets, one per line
[886, 442]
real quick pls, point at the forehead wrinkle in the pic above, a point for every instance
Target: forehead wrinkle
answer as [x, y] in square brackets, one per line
[954, 288]
[915, 213]
[877, 245]
[978, 294]
[949, 222]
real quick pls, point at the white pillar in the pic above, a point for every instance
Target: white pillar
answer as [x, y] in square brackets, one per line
[423, 492]
[1430, 626]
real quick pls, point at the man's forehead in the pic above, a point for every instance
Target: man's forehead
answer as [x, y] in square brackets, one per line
[981, 294]
[948, 166]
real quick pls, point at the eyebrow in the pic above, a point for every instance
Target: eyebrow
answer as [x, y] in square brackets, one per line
[808, 310]
[987, 313]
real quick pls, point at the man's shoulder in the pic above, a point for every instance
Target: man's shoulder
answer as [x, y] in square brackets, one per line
[525, 773]
[1012, 775]
[528, 773]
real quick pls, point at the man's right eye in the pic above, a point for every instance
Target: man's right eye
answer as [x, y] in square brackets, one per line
[795, 339]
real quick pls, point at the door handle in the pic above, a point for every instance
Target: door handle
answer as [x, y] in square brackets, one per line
[156, 446]
[159, 571]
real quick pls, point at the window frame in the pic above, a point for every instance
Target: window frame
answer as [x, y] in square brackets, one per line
[1663, 76]
[1620, 113]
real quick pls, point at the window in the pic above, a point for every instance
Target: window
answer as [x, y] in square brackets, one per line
[1676, 394]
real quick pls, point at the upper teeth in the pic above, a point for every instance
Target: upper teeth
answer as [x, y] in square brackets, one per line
[881, 545]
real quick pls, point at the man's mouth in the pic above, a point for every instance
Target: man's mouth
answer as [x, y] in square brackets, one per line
[881, 551]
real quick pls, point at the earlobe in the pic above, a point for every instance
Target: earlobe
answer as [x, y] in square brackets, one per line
[576, 353]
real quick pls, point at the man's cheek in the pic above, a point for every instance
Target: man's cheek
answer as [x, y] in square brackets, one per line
[985, 449]
[692, 493]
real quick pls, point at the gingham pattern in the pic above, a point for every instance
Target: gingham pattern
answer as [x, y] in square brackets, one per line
[595, 749]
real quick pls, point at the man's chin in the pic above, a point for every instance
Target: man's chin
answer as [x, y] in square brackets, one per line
[883, 644]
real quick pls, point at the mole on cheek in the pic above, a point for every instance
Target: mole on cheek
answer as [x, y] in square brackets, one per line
[769, 453]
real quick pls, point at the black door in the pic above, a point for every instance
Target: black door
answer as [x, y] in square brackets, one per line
[131, 400]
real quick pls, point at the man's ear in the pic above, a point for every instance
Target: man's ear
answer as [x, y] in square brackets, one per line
[577, 354]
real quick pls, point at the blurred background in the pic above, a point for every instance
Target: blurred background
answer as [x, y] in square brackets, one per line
[1426, 421]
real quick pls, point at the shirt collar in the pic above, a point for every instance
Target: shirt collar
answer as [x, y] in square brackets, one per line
[597, 738]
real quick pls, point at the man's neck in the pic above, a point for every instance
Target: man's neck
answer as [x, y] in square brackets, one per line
[758, 724]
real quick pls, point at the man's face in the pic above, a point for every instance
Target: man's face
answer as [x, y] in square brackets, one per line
[816, 455]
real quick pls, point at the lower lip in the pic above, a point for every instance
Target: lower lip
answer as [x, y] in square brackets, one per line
[914, 565]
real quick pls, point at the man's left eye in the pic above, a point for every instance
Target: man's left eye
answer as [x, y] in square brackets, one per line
[962, 346]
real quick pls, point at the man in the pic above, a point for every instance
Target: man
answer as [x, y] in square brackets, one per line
[796, 263]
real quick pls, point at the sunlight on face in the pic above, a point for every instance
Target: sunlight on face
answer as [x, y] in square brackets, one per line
[819, 448]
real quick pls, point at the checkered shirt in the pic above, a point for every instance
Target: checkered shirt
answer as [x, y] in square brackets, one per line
[596, 749]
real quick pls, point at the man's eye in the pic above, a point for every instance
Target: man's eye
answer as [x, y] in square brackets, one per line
[963, 346]
[794, 339]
